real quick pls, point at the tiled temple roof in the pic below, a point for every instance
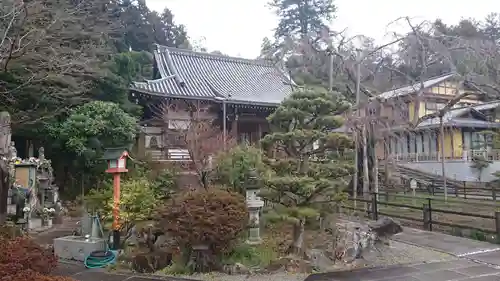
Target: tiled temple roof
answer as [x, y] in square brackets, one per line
[186, 73]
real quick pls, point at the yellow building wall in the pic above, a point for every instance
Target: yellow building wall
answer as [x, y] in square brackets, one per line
[447, 144]
[457, 143]
[452, 143]
[411, 110]
[449, 88]
[445, 88]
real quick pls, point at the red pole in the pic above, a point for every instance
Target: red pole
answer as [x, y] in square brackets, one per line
[116, 211]
[116, 201]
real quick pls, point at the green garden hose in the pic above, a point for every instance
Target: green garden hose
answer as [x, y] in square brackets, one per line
[100, 259]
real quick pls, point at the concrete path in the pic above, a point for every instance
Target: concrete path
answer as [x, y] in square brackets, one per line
[475, 261]
[463, 270]
[80, 273]
[457, 246]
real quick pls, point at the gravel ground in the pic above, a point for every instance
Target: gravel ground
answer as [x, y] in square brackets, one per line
[282, 276]
[396, 253]
[401, 253]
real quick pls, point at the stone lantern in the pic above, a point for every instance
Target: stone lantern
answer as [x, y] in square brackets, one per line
[254, 204]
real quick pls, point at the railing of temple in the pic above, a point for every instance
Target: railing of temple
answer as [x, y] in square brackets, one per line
[467, 155]
[168, 154]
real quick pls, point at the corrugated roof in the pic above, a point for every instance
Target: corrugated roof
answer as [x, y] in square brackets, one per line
[186, 73]
[414, 88]
[452, 117]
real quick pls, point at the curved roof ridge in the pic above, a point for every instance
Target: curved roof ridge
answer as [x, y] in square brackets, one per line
[262, 62]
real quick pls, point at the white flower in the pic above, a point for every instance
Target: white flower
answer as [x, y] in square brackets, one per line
[26, 209]
[52, 210]
[45, 210]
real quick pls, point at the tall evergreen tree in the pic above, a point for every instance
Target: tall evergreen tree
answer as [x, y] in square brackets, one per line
[142, 28]
[300, 18]
[301, 133]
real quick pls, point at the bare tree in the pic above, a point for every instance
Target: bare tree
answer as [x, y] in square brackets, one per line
[199, 134]
[53, 49]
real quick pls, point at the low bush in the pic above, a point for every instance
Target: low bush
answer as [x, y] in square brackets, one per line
[30, 275]
[23, 259]
[212, 217]
[22, 253]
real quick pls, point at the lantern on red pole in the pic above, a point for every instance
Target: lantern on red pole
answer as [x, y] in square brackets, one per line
[117, 163]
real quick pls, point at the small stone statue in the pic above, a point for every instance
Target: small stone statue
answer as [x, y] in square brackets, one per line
[12, 150]
[59, 213]
[41, 153]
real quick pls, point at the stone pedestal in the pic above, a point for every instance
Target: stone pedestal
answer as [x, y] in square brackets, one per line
[254, 204]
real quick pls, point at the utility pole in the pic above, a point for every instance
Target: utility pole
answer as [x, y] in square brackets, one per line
[356, 136]
[441, 128]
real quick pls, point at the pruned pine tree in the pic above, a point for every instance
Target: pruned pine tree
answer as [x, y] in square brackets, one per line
[301, 136]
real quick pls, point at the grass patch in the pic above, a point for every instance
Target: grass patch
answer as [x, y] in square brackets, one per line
[252, 255]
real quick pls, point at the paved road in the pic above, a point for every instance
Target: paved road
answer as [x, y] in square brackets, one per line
[475, 261]
[80, 273]
[457, 246]
[462, 269]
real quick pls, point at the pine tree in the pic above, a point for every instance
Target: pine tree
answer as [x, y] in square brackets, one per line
[302, 136]
[302, 17]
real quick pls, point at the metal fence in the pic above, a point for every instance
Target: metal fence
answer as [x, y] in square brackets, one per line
[426, 215]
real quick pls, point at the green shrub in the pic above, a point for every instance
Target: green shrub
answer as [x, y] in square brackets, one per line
[232, 167]
[138, 198]
[165, 183]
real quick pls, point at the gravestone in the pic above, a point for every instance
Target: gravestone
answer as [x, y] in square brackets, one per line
[5, 138]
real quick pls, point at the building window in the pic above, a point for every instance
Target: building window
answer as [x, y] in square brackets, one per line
[434, 106]
[405, 111]
[178, 124]
[153, 142]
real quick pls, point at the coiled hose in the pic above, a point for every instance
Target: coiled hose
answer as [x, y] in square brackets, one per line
[100, 259]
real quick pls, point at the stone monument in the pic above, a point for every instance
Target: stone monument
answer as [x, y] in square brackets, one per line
[254, 204]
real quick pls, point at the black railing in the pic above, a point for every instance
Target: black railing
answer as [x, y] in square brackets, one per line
[425, 214]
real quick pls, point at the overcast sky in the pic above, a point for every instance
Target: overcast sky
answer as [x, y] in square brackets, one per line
[237, 27]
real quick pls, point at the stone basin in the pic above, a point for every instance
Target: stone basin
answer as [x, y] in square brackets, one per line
[77, 247]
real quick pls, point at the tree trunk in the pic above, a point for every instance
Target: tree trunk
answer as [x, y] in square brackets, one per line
[366, 172]
[298, 238]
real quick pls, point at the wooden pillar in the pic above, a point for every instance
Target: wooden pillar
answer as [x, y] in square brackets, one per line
[452, 139]
[234, 125]
[259, 134]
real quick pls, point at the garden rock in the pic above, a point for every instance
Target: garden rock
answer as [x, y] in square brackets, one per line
[385, 228]
[164, 241]
[290, 264]
[151, 262]
[236, 269]
[319, 260]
